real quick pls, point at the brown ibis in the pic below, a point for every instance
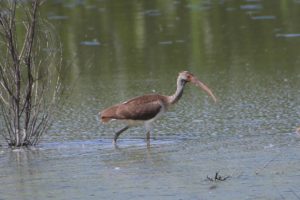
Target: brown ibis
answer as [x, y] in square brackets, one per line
[148, 108]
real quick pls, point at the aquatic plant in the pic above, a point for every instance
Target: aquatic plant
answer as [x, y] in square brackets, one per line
[30, 62]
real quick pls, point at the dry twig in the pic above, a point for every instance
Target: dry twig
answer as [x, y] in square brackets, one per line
[29, 76]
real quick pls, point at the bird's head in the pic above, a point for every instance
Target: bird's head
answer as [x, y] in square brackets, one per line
[186, 77]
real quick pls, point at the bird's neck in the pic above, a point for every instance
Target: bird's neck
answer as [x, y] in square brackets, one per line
[179, 91]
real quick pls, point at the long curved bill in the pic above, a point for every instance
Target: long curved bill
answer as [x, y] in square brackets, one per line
[203, 87]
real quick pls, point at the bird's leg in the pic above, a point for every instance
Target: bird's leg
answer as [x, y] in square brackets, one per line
[117, 134]
[148, 128]
[148, 139]
[148, 136]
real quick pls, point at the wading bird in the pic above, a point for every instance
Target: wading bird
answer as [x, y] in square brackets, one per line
[148, 108]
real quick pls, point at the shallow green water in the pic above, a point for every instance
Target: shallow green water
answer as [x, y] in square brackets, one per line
[246, 51]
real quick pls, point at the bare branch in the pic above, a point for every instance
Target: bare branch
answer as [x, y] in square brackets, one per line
[29, 80]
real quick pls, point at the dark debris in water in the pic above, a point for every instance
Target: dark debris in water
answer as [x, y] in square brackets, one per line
[170, 42]
[217, 177]
[288, 35]
[57, 17]
[251, 7]
[90, 43]
[152, 13]
[264, 17]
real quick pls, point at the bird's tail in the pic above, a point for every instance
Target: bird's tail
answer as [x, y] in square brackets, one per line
[102, 118]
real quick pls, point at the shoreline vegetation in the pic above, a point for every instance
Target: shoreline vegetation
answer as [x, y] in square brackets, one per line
[30, 83]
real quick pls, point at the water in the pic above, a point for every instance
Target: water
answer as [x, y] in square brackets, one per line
[246, 51]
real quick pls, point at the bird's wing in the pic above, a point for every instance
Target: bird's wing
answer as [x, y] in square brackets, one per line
[139, 108]
[135, 111]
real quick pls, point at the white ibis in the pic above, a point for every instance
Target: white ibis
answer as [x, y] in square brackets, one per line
[148, 108]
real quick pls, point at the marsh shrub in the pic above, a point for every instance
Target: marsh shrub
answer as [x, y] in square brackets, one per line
[30, 63]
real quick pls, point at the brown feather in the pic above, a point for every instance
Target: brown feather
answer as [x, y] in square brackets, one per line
[140, 108]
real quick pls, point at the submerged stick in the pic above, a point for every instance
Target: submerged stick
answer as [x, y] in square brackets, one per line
[217, 177]
[266, 164]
